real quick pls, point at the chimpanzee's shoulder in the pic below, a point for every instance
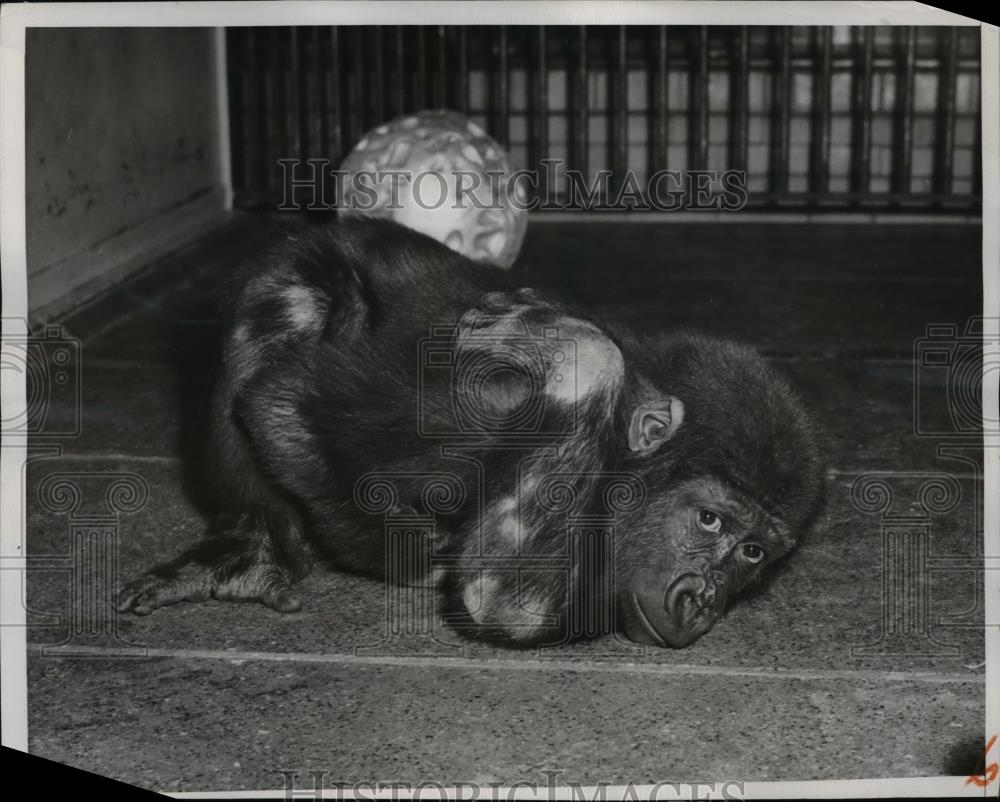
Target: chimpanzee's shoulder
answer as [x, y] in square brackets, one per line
[383, 250]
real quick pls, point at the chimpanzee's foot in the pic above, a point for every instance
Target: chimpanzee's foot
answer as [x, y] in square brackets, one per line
[198, 576]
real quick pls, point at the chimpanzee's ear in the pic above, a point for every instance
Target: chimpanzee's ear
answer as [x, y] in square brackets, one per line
[654, 423]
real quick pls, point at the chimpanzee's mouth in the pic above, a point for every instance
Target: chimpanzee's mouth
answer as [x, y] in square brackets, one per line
[691, 606]
[644, 620]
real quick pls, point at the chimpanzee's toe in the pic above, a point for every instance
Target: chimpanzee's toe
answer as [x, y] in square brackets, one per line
[150, 592]
[261, 582]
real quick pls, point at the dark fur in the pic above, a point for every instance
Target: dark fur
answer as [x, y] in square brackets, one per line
[319, 389]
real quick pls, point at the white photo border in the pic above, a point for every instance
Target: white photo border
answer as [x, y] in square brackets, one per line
[15, 19]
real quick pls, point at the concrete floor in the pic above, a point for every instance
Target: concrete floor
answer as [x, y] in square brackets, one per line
[228, 696]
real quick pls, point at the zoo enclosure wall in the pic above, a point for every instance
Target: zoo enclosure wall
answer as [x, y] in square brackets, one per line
[840, 118]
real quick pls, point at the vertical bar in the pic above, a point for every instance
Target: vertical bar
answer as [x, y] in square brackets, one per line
[740, 101]
[334, 131]
[862, 134]
[378, 79]
[264, 118]
[313, 102]
[272, 96]
[581, 133]
[782, 97]
[541, 133]
[619, 141]
[660, 103]
[944, 141]
[501, 103]
[400, 72]
[699, 157]
[903, 133]
[359, 110]
[820, 173]
[292, 87]
[420, 89]
[463, 70]
[442, 70]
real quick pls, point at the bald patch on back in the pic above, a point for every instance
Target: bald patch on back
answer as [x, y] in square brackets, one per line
[304, 310]
[594, 362]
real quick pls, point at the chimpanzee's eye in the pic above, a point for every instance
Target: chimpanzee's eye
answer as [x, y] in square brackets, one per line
[753, 552]
[709, 521]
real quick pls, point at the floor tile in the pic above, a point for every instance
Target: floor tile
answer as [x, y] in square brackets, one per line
[824, 604]
[187, 725]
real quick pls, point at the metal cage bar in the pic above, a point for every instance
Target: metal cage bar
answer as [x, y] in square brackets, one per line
[356, 106]
[862, 135]
[312, 87]
[401, 73]
[903, 122]
[378, 75]
[271, 118]
[333, 83]
[661, 102]
[463, 71]
[619, 132]
[698, 158]
[820, 173]
[739, 111]
[312, 92]
[501, 96]
[781, 120]
[292, 86]
[420, 77]
[945, 130]
[441, 97]
[540, 127]
[581, 139]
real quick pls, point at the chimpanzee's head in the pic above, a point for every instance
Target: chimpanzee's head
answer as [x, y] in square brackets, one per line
[733, 477]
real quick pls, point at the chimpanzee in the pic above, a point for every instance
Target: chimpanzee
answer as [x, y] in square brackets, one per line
[581, 478]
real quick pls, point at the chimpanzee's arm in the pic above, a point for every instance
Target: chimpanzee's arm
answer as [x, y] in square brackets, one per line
[520, 574]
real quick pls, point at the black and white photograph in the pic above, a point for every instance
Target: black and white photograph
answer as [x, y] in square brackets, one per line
[485, 400]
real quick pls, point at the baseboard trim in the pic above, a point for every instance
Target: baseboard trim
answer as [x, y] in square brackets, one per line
[775, 218]
[63, 286]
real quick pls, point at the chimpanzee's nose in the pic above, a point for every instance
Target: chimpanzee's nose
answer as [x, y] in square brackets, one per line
[689, 595]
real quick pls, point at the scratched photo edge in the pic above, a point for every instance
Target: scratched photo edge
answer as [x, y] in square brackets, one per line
[13, 453]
